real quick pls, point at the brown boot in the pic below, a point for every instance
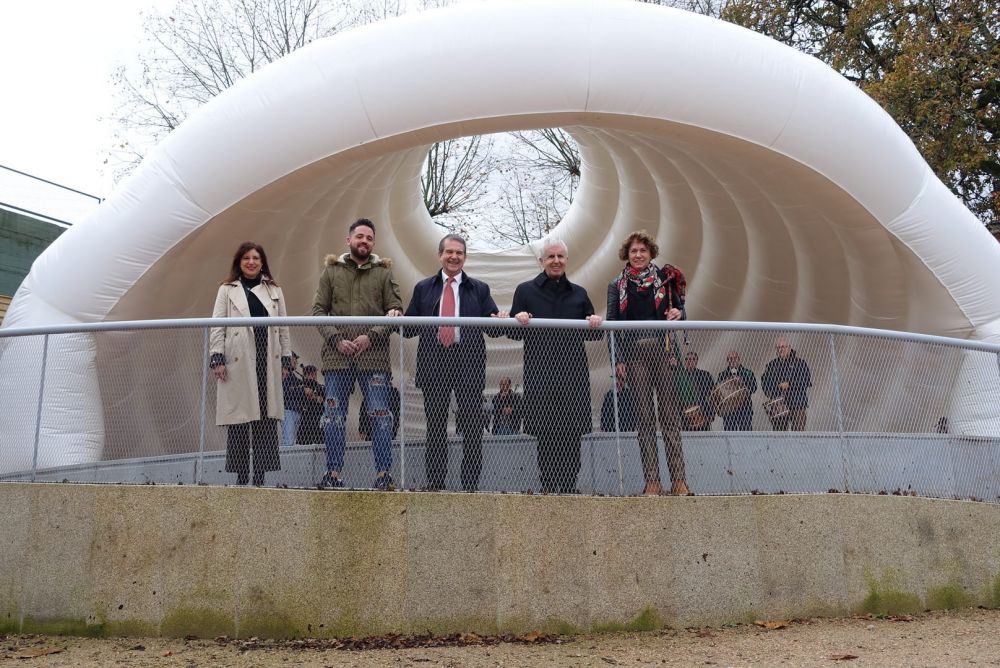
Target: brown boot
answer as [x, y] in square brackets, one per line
[679, 488]
[653, 488]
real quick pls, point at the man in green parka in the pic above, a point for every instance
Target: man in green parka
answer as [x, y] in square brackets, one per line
[357, 283]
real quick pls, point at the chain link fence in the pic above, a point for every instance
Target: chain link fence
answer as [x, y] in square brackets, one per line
[549, 407]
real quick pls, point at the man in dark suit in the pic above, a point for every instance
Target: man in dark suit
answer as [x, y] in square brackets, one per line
[452, 360]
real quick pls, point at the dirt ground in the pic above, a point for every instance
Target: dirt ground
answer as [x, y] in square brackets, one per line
[962, 638]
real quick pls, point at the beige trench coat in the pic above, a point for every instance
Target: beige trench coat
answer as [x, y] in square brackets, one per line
[237, 398]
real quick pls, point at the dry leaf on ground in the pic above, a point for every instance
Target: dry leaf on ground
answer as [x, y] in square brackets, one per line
[27, 653]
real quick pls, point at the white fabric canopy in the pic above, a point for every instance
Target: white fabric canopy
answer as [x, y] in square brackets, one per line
[784, 192]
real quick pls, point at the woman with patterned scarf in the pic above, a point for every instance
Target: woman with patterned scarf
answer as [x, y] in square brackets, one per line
[644, 291]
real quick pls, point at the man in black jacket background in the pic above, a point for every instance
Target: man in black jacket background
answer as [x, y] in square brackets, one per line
[787, 376]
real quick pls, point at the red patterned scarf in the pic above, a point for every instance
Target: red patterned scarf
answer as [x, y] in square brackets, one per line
[651, 278]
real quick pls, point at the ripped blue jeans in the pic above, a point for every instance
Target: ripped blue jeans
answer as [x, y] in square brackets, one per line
[375, 389]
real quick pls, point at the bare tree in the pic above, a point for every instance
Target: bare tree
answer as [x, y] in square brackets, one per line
[202, 47]
[538, 180]
[552, 150]
[707, 7]
[455, 178]
[531, 203]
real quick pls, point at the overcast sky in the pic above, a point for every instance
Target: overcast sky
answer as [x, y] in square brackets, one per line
[56, 62]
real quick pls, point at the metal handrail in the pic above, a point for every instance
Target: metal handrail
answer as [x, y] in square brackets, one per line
[493, 323]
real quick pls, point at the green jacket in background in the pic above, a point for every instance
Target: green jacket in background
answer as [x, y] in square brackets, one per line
[348, 289]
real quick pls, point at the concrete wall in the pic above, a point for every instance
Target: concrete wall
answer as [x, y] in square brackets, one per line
[937, 465]
[177, 560]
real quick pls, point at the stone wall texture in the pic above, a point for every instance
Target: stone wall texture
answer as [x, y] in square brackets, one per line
[209, 561]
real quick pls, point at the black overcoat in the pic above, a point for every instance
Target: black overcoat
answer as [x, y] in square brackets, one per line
[556, 373]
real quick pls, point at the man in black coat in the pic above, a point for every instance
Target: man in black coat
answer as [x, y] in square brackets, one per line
[506, 410]
[739, 418]
[310, 430]
[701, 386]
[556, 374]
[452, 360]
[787, 376]
[626, 405]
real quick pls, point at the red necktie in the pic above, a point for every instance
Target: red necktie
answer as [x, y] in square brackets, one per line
[446, 335]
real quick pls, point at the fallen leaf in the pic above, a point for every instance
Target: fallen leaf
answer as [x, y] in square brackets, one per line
[32, 653]
[772, 625]
[168, 653]
[531, 637]
[842, 657]
[901, 618]
[704, 633]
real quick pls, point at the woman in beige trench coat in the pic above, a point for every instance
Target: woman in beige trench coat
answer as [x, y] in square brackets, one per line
[247, 363]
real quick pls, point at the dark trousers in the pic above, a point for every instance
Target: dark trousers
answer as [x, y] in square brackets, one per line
[741, 419]
[558, 461]
[260, 437]
[794, 419]
[450, 378]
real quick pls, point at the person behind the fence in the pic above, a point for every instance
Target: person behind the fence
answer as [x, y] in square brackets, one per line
[452, 360]
[507, 410]
[556, 373]
[626, 405]
[787, 377]
[357, 283]
[739, 418]
[313, 393]
[246, 362]
[644, 291]
[291, 388]
[701, 393]
[942, 425]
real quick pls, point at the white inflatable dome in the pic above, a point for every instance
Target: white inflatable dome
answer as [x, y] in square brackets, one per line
[783, 191]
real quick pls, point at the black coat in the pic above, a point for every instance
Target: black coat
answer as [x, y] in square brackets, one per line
[795, 372]
[474, 301]
[627, 417]
[702, 385]
[556, 373]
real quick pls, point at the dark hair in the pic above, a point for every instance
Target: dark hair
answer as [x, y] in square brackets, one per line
[245, 247]
[450, 237]
[358, 223]
[308, 368]
[642, 238]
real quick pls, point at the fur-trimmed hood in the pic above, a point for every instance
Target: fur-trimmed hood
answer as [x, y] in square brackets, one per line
[373, 259]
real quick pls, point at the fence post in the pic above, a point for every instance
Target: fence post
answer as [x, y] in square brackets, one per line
[618, 431]
[402, 410]
[839, 407]
[204, 396]
[38, 415]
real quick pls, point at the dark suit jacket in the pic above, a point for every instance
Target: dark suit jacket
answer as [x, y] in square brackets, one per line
[474, 301]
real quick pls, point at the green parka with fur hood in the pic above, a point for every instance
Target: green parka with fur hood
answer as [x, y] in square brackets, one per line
[366, 290]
